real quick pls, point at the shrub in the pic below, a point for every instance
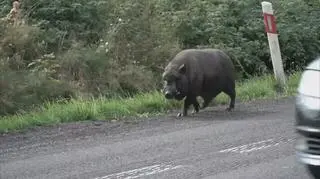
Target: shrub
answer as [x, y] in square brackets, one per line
[23, 91]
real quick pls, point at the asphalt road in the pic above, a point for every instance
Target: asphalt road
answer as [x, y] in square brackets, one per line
[254, 141]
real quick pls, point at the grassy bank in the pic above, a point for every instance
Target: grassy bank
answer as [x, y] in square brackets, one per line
[144, 104]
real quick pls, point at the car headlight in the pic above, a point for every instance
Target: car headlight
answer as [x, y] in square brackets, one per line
[310, 83]
[308, 99]
[309, 106]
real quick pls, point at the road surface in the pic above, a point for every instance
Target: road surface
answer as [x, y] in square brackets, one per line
[254, 141]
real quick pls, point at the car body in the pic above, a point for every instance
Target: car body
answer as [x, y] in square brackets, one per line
[307, 115]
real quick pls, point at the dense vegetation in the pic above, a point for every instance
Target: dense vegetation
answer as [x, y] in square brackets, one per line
[84, 48]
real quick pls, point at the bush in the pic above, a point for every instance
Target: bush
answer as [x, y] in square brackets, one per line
[98, 74]
[23, 91]
[237, 27]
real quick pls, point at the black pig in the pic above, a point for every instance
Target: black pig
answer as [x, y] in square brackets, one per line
[199, 72]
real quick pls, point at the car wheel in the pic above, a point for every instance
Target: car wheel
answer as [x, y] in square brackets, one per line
[314, 171]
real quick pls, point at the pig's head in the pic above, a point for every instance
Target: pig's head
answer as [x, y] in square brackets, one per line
[175, 82]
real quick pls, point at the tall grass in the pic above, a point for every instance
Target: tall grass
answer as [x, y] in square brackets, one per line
[142, 104]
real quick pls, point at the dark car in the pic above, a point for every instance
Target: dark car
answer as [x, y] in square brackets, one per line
[307, 114]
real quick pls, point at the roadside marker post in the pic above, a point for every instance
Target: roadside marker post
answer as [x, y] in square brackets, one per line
[271, 30]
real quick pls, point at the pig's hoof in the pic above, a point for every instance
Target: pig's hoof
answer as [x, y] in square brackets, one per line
[229, 109]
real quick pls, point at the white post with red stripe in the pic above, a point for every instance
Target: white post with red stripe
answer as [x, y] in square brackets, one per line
[271, 30]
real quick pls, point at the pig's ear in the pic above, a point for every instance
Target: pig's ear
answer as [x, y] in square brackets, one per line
[182, 69]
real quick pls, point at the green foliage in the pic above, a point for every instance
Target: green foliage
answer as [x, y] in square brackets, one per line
[299, 25]
[94, 71]
[66, 21]
[120, 47]
[23, 91]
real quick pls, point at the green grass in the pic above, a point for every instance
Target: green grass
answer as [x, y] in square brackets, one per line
[143, 104]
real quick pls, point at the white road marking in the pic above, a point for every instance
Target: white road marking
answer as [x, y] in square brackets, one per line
[154, 169]
[252, 146]
[140, 172]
